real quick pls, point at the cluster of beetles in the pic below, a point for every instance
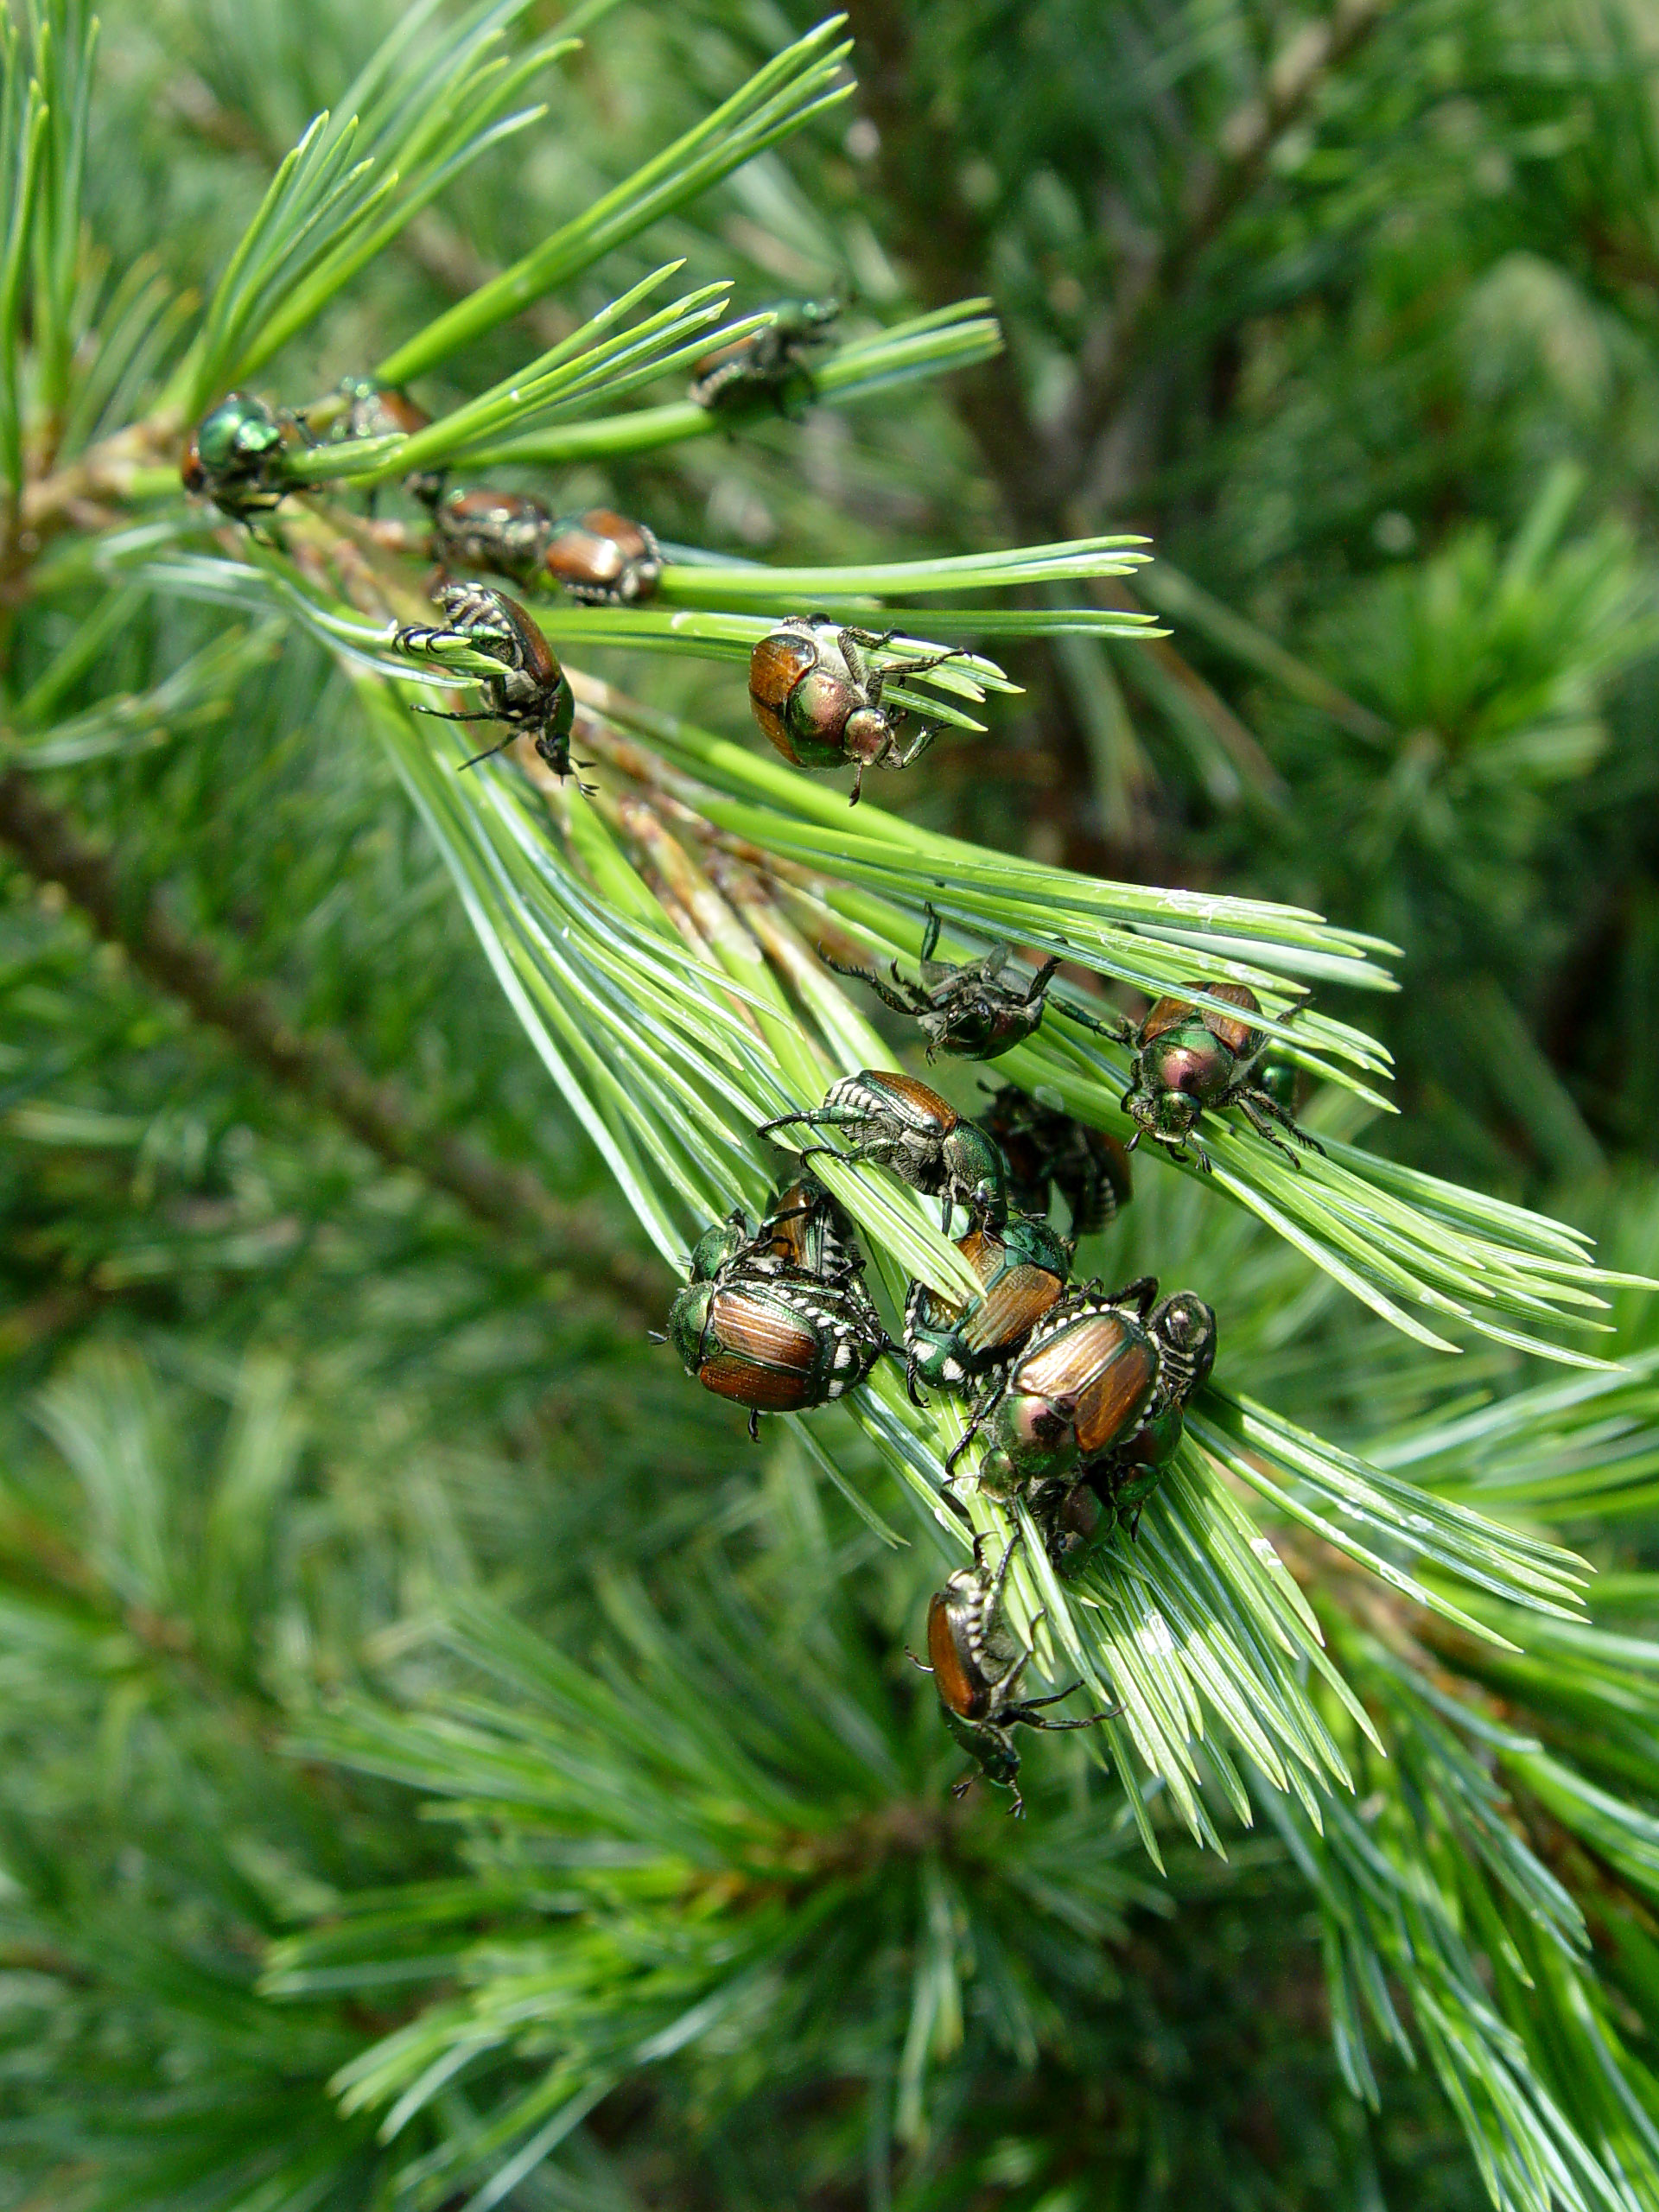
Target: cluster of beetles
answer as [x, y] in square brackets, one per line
[1078, 1393]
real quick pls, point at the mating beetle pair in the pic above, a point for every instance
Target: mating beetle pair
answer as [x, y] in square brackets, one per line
[1023, 1269]
[977, 1665]
[601, 558]
[1094, 1397]
[775, 1316]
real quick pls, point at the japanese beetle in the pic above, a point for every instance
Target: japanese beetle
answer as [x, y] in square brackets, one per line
[902, 1125]
[774, 1341]
[977, 1665]
[505, 532]
[768, 368]
[1024, 1268]
[602, 559]
[381, 410]
[1113, 1488]
[966, 1011]
[818, 699]
[804, 1231]
[1190, 1058]
[236, 457]
[373, 410]
[1091, 1371]
[530, 695]
[1049, 1153]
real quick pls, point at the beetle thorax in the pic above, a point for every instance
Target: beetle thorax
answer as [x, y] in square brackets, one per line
[1190, 1059]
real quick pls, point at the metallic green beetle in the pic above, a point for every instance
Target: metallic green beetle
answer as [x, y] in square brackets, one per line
[1023, 1268]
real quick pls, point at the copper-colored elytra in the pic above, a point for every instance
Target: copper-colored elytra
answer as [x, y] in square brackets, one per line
[1016, 1303]
[950, 1675]
[981, 1251]
[768, 1389]
[755, 1330]
[920, 1099]
[1116, 1396]
[619, 529]
[1235, 1035]
[1058, 1370]
[1166, 1013]
[777, 666]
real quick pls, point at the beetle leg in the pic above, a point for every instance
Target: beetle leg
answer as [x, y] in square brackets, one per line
[932, 937]
[440, 715]
[493, 749]
[960, 1788]
[1039, 981]
[817, 1117]
[920, 1665]
[1056, 1697]
[1088, 1720]
[1002, 1566]
[883, 991]
[1254, 1100]
[754, 1424]
[901, 757]
[1118, 1026]
[980, 1414]
[1264, 1128]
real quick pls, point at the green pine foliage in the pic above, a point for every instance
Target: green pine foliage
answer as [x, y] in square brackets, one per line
[446, 1764]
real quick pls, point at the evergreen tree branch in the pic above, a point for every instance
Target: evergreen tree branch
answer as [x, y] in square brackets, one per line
[318, 1066]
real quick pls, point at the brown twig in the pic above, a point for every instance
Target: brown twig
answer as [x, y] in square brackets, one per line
[318, 1066]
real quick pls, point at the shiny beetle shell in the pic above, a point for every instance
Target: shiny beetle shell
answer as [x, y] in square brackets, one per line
[897, 1123]
[1189, 1058]
[1023, 1269]
[531, 694]
[377, 411]
[505, 532]
[802, 708]
[234, 457]
[977, 1664]
[603, 558]
[1089, 1373]
[1081, 1387]
[775, 1344]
